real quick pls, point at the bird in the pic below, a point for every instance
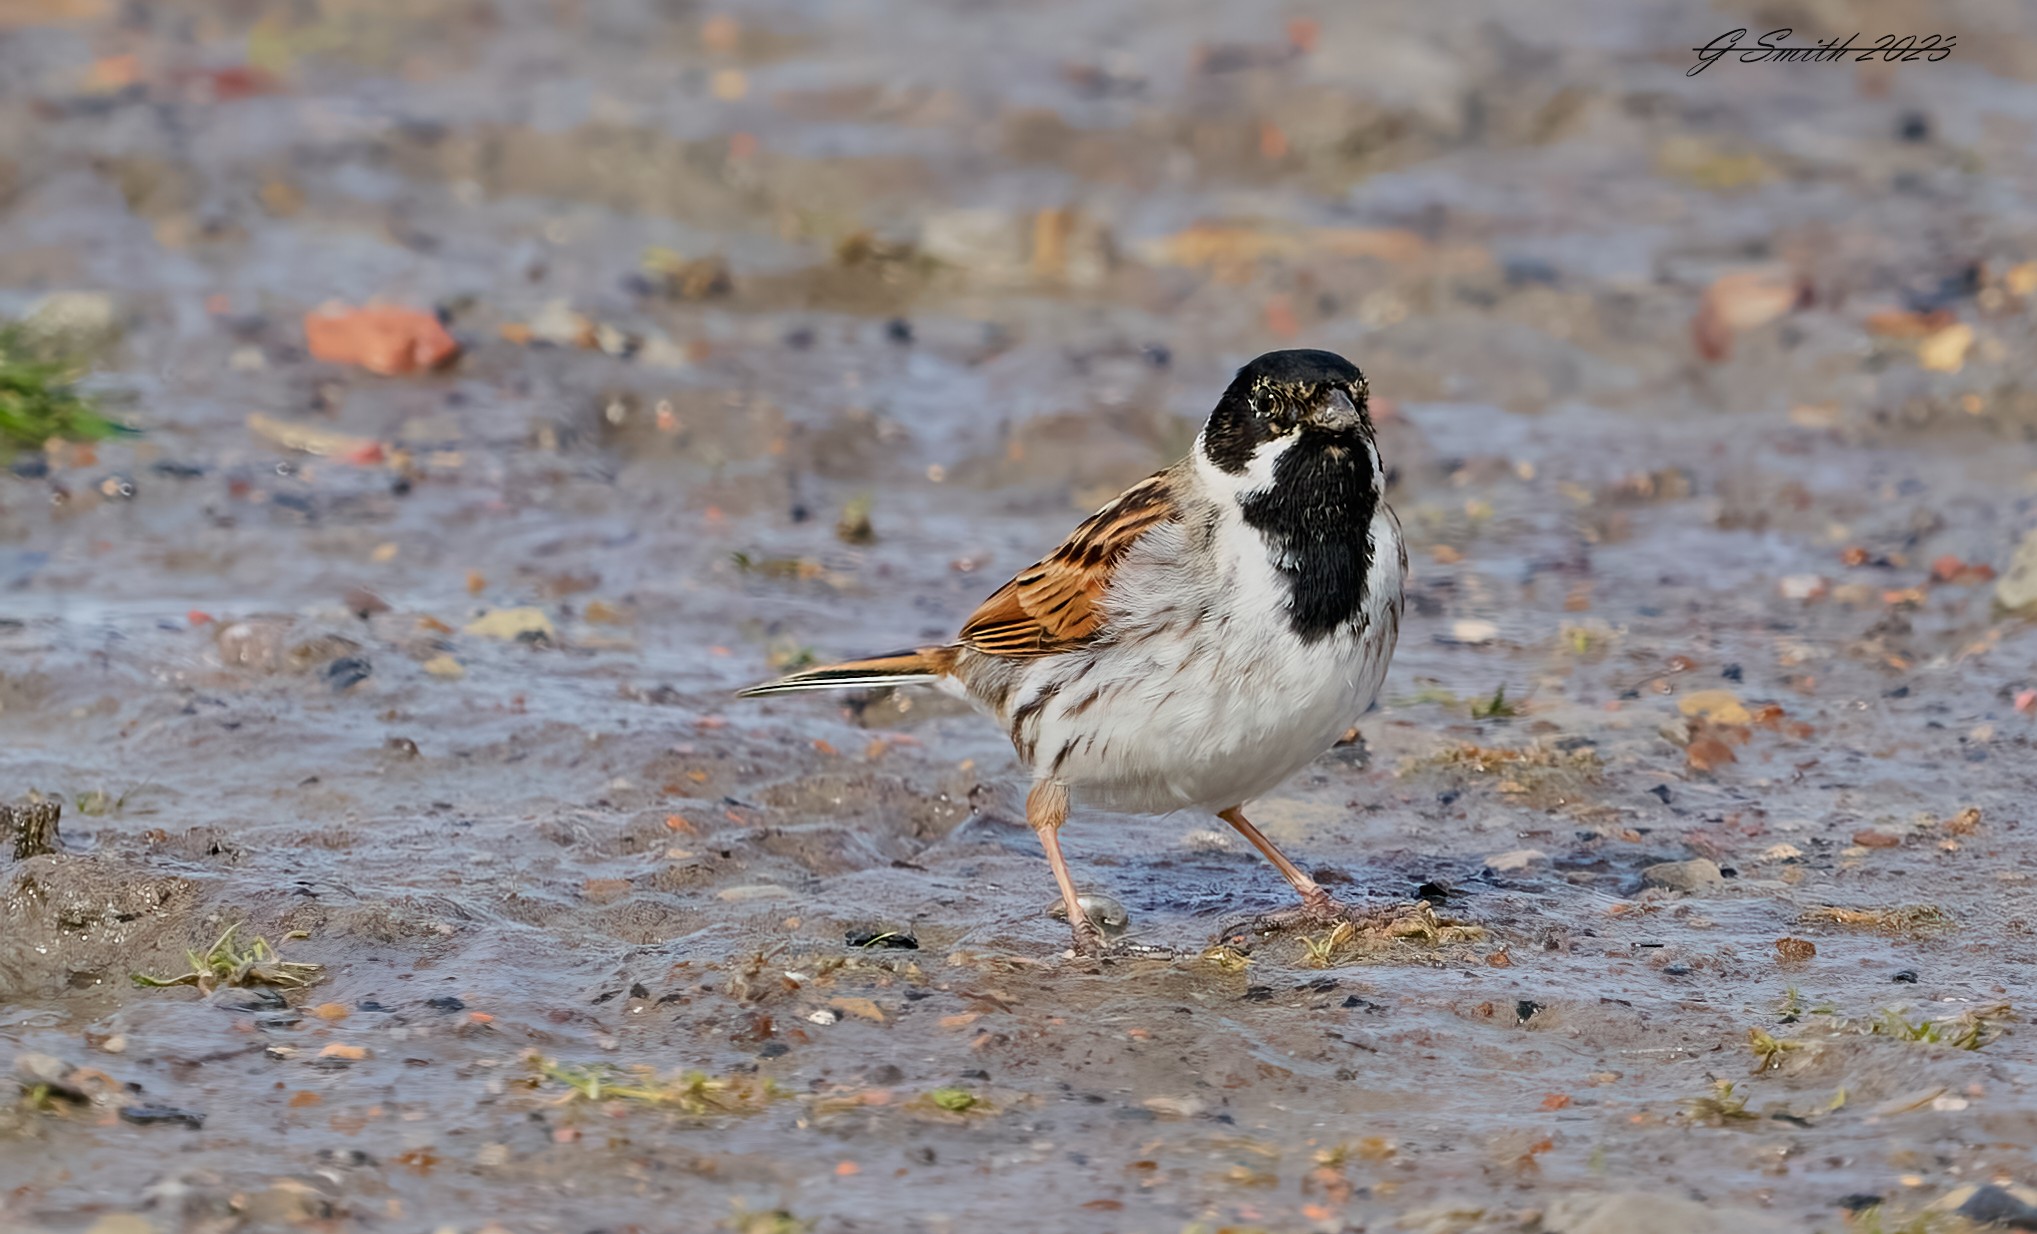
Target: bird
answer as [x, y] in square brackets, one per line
[1200, 638]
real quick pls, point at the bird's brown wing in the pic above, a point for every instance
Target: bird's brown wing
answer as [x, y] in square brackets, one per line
[1054, 604]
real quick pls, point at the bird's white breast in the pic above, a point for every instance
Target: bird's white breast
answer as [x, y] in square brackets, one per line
[1204, 697]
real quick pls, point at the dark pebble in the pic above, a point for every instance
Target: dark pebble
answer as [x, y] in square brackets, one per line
[369, 1004]
[799, 339]
[348, 671]
[1907, 976]
[1529, 271]
[1661, 791]
[1259, 994]
[1993, 1206]
[1525, 1010]
[152, 1115]
[176, 470]
[898, 330]
[447, 1004]
[254, 1000]
[31, 466]
[1318, 985]
[1731, 672]
[1435, 891]
[1914, 126]
[1158, 355]
[887, 1075]
[1859, 1201]
[882, 938]
[773, 1049]
[345, 1158]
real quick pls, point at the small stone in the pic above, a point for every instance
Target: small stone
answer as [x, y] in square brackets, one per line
[824, 1017]
[513, 625]
[752, 891]
[383, 339]
[154, 1115]
[1517, 860]
[1795, 950]
[2016, 589]
[1174, 1107]
[1105, 913]
[72, 323]
[1626, 1211]
[1692, 877]
[1802, 587]
[1870, 838]
[34, 1069]
[1992, 1205]
[347, 672]
[116, 1044]
[1472, 631]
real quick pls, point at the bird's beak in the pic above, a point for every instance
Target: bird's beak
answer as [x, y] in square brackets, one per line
[1336, 414]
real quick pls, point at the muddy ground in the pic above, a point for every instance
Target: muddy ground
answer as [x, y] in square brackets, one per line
[1710, 404]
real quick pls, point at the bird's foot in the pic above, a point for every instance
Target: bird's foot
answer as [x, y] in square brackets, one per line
[1091, 943]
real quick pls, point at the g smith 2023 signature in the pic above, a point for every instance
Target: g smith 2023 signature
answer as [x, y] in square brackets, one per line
[1773, 47]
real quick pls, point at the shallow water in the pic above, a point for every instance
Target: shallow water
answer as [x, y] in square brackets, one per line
[1507, 215]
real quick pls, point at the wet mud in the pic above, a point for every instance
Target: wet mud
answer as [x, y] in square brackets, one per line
[786, 333]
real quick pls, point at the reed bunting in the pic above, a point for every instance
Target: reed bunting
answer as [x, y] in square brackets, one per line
[1203, 637]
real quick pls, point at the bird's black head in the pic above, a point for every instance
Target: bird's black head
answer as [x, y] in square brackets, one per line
[1318, 394]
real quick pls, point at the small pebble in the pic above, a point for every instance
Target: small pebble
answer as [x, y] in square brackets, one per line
[1691, 877]
[1518, 859]
[152, 1115]
[1109, 916]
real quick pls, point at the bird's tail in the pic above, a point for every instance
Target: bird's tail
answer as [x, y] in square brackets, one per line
[896, 669]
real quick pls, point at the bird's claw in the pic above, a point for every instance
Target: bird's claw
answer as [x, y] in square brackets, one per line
[1092, 944]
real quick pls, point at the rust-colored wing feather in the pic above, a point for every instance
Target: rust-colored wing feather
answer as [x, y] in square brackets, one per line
[1054, 604]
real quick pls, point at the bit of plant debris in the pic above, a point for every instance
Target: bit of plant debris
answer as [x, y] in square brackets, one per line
[1227, 958]
[1769, 1049]
[691, 1092]
[1416, 923]
[224, 965]
[1719, 1107]
[768, 1221]
[1969, 1030]
[853, 527]
[1495, 708]
[39, 401]
[34, 827]
[1911, 919]
[954, 1100]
